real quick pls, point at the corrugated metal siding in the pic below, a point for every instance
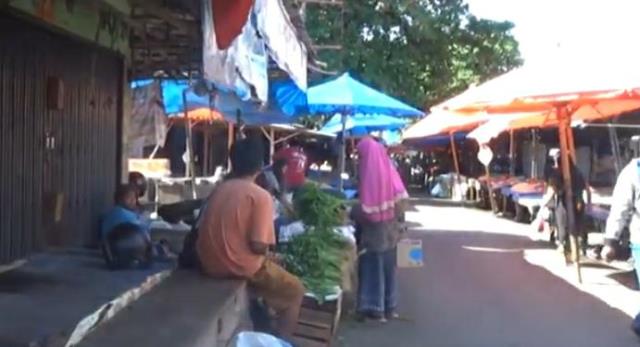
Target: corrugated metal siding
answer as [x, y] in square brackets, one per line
[83, 165]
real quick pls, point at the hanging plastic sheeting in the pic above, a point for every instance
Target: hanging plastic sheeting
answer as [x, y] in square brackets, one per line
[285, 48]
[148, 122]
[242, 65]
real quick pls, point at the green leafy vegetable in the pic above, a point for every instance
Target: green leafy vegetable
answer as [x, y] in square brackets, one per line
[316, 256]
[317, 208]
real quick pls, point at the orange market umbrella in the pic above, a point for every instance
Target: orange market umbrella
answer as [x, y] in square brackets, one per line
[441, 122]
[564, 88]
[204, 114]
[611, 87]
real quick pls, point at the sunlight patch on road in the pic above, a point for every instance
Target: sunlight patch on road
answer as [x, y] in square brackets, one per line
[595, 281]
[493, 250]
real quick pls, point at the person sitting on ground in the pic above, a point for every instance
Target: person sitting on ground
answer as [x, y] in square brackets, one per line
[236, 232]
[124, 235]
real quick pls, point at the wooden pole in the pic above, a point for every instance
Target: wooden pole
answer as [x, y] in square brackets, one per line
[454, 152]
[191, 165]
[512, 153]
[205, 152]
[342, 154]
[272, 145]
[563, 131]
[615, 150]
[229, 144]
[456, 164]
[492, 199]
[572, 144]
[534, 153]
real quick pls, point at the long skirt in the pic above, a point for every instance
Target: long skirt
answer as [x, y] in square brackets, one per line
[377, 290]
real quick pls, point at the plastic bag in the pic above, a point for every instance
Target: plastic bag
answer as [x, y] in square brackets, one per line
[255, 339]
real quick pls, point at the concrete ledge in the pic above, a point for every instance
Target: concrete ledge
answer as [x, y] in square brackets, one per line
[55, 297]
[186, 310]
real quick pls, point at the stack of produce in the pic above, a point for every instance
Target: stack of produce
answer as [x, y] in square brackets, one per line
[316, 256]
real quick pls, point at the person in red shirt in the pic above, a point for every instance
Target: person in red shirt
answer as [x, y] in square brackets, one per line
[293, 161]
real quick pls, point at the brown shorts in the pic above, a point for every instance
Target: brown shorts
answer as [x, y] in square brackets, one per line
[277, 287]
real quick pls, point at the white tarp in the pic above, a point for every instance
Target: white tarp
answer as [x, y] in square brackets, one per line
[280, 36]
[244, 64]
[148, 124]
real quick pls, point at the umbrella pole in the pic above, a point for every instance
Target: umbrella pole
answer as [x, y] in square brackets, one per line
[191, 165]
[534, 153]
[454, 152]
[456, 164]
[492, 199]
[205, 152]
[565, 148]
[512, 153]
[572, 145]
[341, 155]
[229, 144]
[272, 144]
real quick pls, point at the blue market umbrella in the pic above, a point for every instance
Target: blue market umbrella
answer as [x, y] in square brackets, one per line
[363, 123]
[348, 95]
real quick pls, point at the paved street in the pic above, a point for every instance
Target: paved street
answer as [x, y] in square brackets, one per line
[477, 289]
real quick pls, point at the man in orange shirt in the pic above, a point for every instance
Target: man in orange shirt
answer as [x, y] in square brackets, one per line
[236, 232]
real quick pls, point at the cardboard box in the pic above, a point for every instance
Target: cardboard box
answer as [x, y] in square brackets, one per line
[409, 253]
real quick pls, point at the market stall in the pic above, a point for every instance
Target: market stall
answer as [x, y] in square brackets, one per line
[564, 89]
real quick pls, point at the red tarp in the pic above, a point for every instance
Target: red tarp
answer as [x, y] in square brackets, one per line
[229, 17]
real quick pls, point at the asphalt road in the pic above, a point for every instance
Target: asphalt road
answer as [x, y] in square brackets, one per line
[477, 290]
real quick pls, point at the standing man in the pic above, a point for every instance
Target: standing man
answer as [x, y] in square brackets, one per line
[625, 213]
[293, 163]
[236, 232]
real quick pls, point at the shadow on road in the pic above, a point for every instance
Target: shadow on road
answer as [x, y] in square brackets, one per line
[476, 289]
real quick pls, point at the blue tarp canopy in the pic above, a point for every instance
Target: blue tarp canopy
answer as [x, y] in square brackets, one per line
[363, 123]
[226, 103]
[348, 95]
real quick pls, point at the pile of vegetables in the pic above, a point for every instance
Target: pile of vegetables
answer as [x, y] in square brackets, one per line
[316, 256]
[316, 208]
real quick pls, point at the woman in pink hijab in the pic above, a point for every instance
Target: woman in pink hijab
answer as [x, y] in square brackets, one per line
[377, 219]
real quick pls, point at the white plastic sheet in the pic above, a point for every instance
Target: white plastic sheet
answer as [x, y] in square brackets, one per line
[148, 123]
[285, 48]
[242, 65]
[255, 339]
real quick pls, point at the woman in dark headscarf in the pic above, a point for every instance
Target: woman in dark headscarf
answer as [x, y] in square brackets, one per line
[377, 215]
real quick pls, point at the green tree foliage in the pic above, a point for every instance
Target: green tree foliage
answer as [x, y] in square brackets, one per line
[422, 51]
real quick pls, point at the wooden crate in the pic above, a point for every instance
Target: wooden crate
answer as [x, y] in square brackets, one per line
[317, 323]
